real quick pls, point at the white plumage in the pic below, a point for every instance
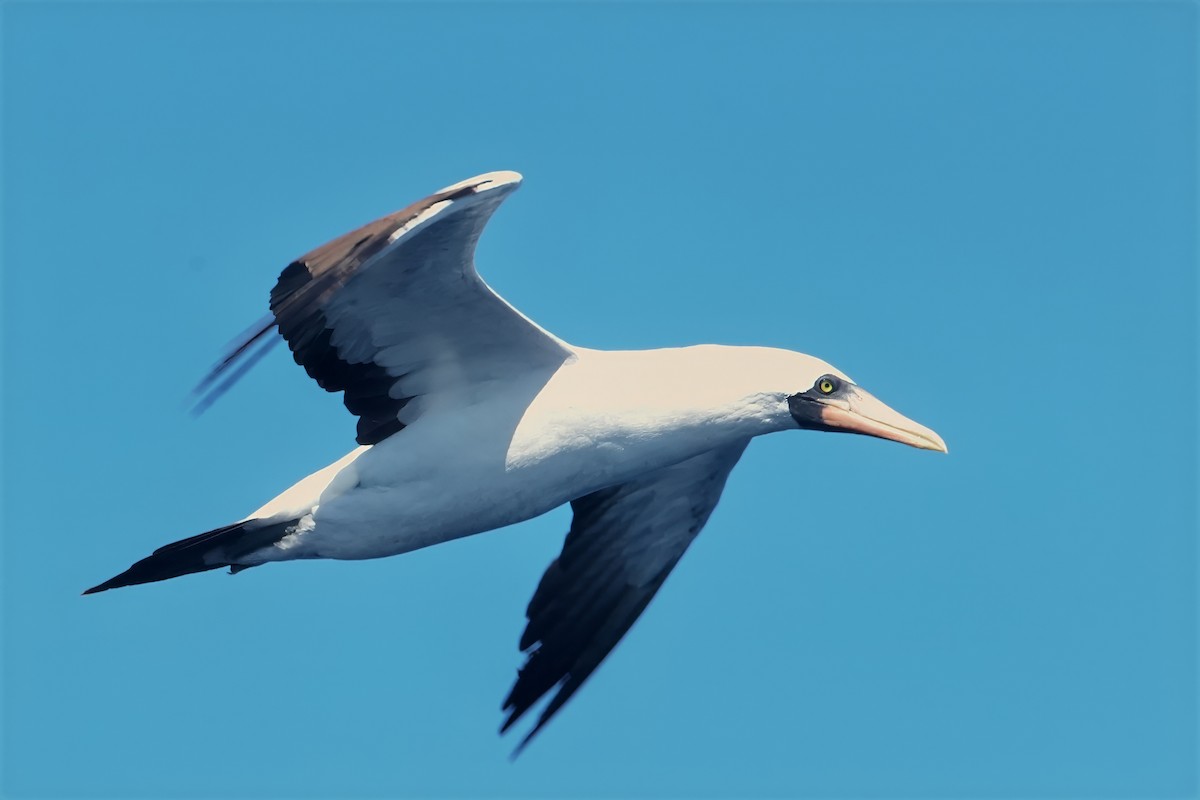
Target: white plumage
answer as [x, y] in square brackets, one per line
[472, 417]
[488, 461]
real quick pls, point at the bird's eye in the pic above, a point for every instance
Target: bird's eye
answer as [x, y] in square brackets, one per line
[826, 385]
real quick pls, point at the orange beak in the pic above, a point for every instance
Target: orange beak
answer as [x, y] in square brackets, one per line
[863, 413]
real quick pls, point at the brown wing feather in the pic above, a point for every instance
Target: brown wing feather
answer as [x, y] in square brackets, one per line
[334, 332]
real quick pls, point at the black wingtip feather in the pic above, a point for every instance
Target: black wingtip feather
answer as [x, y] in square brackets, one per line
[238, 360]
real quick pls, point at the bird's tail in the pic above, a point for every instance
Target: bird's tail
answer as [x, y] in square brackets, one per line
[222, 547]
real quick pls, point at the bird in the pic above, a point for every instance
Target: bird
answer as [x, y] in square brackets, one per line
[472, 417]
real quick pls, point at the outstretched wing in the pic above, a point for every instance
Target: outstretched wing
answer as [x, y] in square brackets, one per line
[395, 311]
[623, 543]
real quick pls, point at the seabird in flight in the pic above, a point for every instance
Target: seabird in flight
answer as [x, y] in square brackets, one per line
[472, 417]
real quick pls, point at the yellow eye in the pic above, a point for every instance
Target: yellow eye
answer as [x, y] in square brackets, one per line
[825, 385]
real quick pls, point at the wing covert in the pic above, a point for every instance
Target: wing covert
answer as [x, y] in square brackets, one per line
[395, 310]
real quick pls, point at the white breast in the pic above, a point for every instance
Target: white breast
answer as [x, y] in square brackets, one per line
[474, 463]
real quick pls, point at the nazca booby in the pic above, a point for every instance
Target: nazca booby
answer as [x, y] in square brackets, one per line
[472, 417]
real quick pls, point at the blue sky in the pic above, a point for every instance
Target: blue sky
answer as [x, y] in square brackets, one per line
[984, 213]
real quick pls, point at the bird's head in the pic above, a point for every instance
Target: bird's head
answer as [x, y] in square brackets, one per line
[830, 401]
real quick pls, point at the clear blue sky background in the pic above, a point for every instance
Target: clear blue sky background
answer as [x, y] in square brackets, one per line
[985, 213]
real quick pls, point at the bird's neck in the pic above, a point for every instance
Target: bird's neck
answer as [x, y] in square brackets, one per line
[719, 390]
[607, 417]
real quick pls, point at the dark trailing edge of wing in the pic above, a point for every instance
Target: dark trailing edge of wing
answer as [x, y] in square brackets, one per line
[296, 302]
[623, 542]
[580, 611]
[297, 310]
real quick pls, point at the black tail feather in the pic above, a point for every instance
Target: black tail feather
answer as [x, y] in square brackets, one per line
[211, 550]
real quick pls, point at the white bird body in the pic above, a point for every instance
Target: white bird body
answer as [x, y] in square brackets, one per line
[471, 418]
[501, 458]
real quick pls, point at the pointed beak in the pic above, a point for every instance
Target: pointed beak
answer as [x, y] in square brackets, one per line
[860, 412]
